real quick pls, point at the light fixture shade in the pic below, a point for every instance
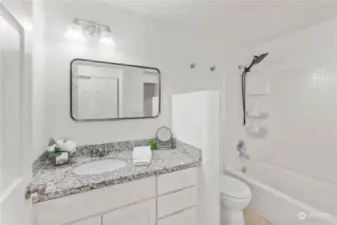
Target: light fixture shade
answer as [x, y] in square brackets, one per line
[74, 32]
[107, 38]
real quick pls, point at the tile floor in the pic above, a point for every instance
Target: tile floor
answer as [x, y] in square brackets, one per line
[252, 218]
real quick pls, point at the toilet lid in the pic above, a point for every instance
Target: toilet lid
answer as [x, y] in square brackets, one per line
[234, 188]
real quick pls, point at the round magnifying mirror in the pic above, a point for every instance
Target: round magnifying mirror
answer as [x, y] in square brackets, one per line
[164, 138]
[164, 134]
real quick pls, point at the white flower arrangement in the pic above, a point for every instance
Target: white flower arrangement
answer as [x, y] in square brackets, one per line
[56, 148]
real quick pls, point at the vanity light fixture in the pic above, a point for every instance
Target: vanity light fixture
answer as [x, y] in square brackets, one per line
[75, 32]
[107, 38]
[79, 28]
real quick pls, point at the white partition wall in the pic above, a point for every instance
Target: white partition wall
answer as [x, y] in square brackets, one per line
[195, 119]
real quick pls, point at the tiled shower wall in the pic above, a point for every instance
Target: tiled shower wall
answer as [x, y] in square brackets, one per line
[302, 103]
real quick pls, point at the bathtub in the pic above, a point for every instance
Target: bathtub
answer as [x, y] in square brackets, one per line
[285, 197]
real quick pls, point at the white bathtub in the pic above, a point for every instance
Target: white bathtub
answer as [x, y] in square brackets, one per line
[282, 196]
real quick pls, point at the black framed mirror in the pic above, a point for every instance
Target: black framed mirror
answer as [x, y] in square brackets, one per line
[112, 91]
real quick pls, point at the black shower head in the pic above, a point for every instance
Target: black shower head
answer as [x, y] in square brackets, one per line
[258, 59]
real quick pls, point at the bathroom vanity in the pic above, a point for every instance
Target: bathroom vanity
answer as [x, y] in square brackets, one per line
[111, 190]
[163, 193]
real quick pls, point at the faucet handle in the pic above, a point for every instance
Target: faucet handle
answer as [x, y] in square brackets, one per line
[93, 152]
[241, 146]
[101, 152]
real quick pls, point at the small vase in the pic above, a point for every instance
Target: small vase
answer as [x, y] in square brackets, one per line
[61, 159]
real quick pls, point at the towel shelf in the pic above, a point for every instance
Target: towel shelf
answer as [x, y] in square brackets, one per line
[256, 132]
[257, 115]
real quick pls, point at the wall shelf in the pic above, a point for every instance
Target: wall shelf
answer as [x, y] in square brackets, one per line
[257, 115]
[256, 131]
[256, 94]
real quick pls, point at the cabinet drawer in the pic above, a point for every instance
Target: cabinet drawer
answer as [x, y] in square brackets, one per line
[177, 180]
[75, 207]
[175, 202]
[91, 221]
[187, 217]
[143, 213]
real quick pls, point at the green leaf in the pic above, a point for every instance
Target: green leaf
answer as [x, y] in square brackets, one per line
[153, 144]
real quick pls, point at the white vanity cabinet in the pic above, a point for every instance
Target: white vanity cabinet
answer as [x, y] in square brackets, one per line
[177, 201]
[186, 217]
[91, 221]
[143, 213]
[171, 182]
[157, 200]
[177, 197]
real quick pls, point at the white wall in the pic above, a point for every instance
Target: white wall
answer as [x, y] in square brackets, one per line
[195, 121]
[302, 103]
[40, 139]
[140, 41]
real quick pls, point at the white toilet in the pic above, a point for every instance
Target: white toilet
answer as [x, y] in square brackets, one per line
[235, 196]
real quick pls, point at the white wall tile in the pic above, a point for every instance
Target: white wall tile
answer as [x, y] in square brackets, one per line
[302, 103]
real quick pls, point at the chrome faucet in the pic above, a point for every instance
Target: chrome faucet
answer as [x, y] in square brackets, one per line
[98, 153]
[241, 147]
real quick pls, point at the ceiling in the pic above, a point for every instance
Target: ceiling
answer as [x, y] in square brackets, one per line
[247, 21]
[22, 11]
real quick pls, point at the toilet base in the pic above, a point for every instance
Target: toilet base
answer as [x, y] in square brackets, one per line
[232, 217]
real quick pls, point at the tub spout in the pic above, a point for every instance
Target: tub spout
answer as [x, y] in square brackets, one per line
[243, 155]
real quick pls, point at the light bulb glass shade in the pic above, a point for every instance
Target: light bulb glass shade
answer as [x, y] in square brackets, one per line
[75, 32]
[107, 38]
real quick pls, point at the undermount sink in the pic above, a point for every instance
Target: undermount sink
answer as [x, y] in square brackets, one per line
[98, 167]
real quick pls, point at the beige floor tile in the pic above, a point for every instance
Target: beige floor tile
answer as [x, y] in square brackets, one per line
[252, 218]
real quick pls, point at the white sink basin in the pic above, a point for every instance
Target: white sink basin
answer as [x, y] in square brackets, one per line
[98, 167]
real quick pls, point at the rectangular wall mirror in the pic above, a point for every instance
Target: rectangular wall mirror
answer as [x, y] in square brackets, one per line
[112, 91]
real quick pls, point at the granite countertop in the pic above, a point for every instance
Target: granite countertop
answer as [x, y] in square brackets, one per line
[61, 181]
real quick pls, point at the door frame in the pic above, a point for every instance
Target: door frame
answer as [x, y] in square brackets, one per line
[10, 19]
[25, 136]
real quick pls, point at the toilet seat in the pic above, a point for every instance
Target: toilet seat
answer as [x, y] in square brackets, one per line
[234, 188]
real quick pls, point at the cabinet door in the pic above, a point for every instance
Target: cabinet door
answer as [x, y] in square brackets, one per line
[171, 182]
[187, 217]
[175, 202]
[91, 221]
[143, 213]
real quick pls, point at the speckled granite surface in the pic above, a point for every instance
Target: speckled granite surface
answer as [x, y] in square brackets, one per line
[61, 181]
[85, 150]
